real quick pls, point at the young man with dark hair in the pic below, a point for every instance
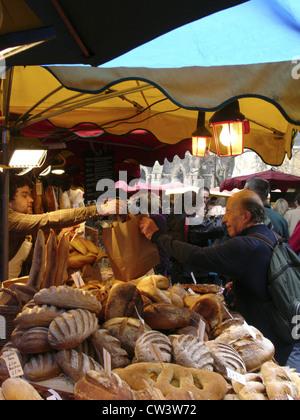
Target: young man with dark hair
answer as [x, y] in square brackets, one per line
[23, 224]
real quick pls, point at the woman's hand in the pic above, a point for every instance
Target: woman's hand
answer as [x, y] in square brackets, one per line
[147, 227]
[112, 207]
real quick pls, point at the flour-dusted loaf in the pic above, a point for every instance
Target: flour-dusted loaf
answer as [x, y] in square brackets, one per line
[103, 339]
[72, 327]
[100, 386]
[41, 366]
[254, 351]
[278, 381]
[75, 364]
[225, 357]
[67, 297]
[190, 351]
[253, 390]
[37, 316]
[153, 346]
[127, 331]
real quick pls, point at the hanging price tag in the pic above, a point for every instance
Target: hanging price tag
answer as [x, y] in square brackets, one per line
[13, 363]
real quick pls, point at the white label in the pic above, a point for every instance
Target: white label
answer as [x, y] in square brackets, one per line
[77, 279]
[250, 330]
[107, 362]
[236, 376]
[13, 363]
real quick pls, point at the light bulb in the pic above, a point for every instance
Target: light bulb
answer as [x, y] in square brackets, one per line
[201, 143]
[228, 136]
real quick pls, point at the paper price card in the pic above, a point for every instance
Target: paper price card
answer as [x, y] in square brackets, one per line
[13, 363]
[236, 376]
[78, 280]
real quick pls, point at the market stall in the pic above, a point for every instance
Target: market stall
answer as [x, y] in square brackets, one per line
[70, 335]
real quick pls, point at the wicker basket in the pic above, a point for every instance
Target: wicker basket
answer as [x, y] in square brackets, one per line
[8, 314]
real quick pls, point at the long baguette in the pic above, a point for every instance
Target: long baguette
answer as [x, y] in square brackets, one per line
[63, 260]
[51, 260]
[38, 262]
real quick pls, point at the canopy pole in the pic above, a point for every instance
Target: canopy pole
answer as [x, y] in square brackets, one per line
[7, 84]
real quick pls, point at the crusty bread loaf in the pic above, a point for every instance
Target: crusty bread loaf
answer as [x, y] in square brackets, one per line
[210, 308]
[190, 351]
[103, 339]
[254, 390]
[33, 340]
[254, 352]
[62, 261]
[100, 386]
[51, 260]
[277, 380]
[148, 287]
[37, 316]
[20, 390]
[164, 316]
[71, 328]
[38, 262]
[224, 356]
[172, 379]
[68, 298]
[41, 366]
[127, 331]
[124, 300]
[75, 364]
[145, 352]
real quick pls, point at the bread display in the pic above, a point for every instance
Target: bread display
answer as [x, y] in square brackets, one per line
[141, 340]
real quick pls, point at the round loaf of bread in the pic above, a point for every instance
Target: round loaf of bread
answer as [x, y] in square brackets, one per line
[72, 327]
[124, 300]
[190, 351]
[210, 308]
[127, 331]
[153, 346]
[254, 351]
[100, 386]
[164, 316]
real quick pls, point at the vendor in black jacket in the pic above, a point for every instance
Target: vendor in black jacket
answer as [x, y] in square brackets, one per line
[242, 258]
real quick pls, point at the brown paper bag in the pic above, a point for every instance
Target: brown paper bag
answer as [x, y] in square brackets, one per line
[130, 253]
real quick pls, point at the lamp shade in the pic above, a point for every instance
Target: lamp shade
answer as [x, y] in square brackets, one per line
[201, 138]
[229, 127]
[26, 152]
